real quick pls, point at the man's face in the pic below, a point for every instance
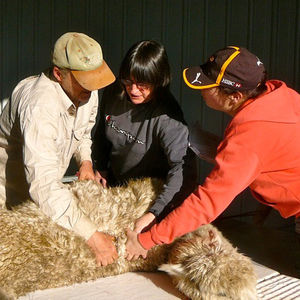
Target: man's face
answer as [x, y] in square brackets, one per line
[72, 88]
[214, 99]
[218, 100]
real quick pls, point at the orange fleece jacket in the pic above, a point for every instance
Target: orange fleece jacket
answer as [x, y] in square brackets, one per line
[261, 149]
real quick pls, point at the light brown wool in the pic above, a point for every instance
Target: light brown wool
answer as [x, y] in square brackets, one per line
[36, 253]
[204, 265]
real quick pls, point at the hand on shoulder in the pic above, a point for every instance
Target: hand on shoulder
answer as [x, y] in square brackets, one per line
[103, 247]
[133, 247]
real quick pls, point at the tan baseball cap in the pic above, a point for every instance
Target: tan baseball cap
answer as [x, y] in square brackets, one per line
[83, 56]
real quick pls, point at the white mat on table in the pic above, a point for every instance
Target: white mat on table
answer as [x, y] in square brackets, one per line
[133, 286]
[148, 286]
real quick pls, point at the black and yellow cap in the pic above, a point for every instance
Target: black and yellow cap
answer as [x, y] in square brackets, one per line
[233, 67]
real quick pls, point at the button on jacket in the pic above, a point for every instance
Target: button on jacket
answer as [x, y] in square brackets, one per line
[40, 131]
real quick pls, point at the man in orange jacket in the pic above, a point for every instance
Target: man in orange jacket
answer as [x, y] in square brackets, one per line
[260, 150]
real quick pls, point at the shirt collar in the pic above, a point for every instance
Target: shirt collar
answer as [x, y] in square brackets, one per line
[65, 101]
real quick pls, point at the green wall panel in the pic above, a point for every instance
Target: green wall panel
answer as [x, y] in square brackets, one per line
[190, 30]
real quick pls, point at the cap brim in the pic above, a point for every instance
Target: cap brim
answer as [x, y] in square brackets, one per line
[95, 79]
[196, 79]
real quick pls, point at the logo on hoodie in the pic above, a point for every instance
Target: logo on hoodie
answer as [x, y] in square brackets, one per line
[111, 123]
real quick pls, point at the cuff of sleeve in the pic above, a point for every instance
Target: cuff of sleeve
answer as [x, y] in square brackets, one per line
[85, 227]
[156, 209]
[85, 157]
[83, 154]
[145, 240]
[154, 212]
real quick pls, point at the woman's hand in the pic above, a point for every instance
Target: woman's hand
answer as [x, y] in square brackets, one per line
[101, 178]
[143, 222]
[133, 247]
[86, 171]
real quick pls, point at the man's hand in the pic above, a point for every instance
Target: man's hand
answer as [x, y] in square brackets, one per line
[103, 247]
[101, 178]
[86, 171]
[133, 247]
[143, 222]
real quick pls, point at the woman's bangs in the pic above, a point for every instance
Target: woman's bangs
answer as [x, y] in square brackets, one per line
[143, 74]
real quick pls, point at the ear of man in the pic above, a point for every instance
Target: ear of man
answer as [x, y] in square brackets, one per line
[236, 97]
[58, 73]
[234, 101]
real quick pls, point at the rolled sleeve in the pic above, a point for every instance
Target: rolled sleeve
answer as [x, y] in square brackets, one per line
[75, 220]
[145, 240]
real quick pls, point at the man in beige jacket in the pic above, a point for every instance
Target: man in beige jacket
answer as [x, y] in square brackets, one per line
[46, 121]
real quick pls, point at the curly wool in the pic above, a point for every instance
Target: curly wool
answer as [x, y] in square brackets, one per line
[204, 265]
[36, 253]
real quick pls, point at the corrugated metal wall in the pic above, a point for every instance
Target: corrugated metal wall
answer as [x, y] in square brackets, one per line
[190, 29]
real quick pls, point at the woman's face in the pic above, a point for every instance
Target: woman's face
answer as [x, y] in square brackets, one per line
[138, 92]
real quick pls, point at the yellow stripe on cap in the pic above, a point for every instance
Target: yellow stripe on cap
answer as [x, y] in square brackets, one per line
[234, 47]
[196, 87]
[226, 63]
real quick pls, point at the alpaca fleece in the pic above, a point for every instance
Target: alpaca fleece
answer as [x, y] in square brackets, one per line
[204, 265]
[36, 253]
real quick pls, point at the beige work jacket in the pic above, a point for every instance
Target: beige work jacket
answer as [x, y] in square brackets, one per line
[40, 131]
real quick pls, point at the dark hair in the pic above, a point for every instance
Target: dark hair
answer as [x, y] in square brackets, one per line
[146, 62]
[253, 93]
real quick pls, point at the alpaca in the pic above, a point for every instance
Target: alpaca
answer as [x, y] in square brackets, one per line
[204, 265]
[36, 253]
